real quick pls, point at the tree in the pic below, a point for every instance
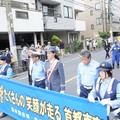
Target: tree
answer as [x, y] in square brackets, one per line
[104, 34]
[119, 34]
[55, 40]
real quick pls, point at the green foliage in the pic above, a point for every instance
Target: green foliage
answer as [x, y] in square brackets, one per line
[99, 42]
[119, 34]
[55, 40]
[104, 34]
[67, 49]
[77, 44]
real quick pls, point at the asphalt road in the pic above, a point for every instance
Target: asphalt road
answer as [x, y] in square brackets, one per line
[70, 62]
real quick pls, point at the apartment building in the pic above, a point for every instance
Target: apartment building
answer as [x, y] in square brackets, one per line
[101, 16]
[27, 21]
[37, 20]
[61, 19]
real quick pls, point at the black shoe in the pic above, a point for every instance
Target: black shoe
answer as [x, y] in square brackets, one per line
[117, 65]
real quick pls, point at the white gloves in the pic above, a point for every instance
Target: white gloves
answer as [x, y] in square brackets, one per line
[62, 91]
[91, 98]
[105, 102]
[78, 91]
[46, 88]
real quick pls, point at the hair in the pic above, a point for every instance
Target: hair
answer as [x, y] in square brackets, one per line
[109, 73]
[56, 56]
[85, 53]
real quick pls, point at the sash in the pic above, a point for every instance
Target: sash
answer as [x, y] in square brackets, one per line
[51, 69]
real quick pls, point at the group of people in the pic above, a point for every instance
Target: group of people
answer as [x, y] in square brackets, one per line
[95, 82]
[91, 45]
[42, 50]
[49, 74]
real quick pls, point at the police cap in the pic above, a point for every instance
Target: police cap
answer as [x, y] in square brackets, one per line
[52, 49]
[35, 54]
[3, 58]
[104, 66]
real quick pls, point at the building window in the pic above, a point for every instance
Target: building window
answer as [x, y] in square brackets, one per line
[45, 10]
[91, 12]
[48, 10]
[21, 15]
[68, 12]
[2, 2]
[82, 37]
[98, 21]
[92, 27]
[97, 6]
[20, 5]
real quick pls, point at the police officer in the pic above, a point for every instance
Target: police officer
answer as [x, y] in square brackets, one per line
[5, 72]
[38, 71]
[115, 49]
[107, 90]
[55, 77]
[86, 73]
[30, 64]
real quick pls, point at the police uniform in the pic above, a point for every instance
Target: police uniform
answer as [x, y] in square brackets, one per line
[5, 72]
[115, 53]
[38, 72]
[86, 76]
[55, 78]
[108, 92]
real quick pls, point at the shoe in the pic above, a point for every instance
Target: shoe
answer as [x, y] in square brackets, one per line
[117, 65]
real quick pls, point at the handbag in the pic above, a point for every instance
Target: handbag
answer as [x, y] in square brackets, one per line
[12, 60]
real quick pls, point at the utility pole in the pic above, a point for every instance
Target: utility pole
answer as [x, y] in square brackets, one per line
[10, 26]
[110, 13]
[103, 14]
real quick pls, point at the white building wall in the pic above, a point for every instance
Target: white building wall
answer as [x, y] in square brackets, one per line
[79, 5]
[34, 23]
[3, 20]
[62, 23]
[80, 25]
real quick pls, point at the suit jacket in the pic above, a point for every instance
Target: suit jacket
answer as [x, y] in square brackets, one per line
[57, 79]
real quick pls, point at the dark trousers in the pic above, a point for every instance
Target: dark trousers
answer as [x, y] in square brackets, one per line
[40, 84]
[107, 54]
[24, 65]
[84, 92]
[87, 47]
[30, 79]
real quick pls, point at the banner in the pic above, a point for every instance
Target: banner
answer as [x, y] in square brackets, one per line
[25, 102]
